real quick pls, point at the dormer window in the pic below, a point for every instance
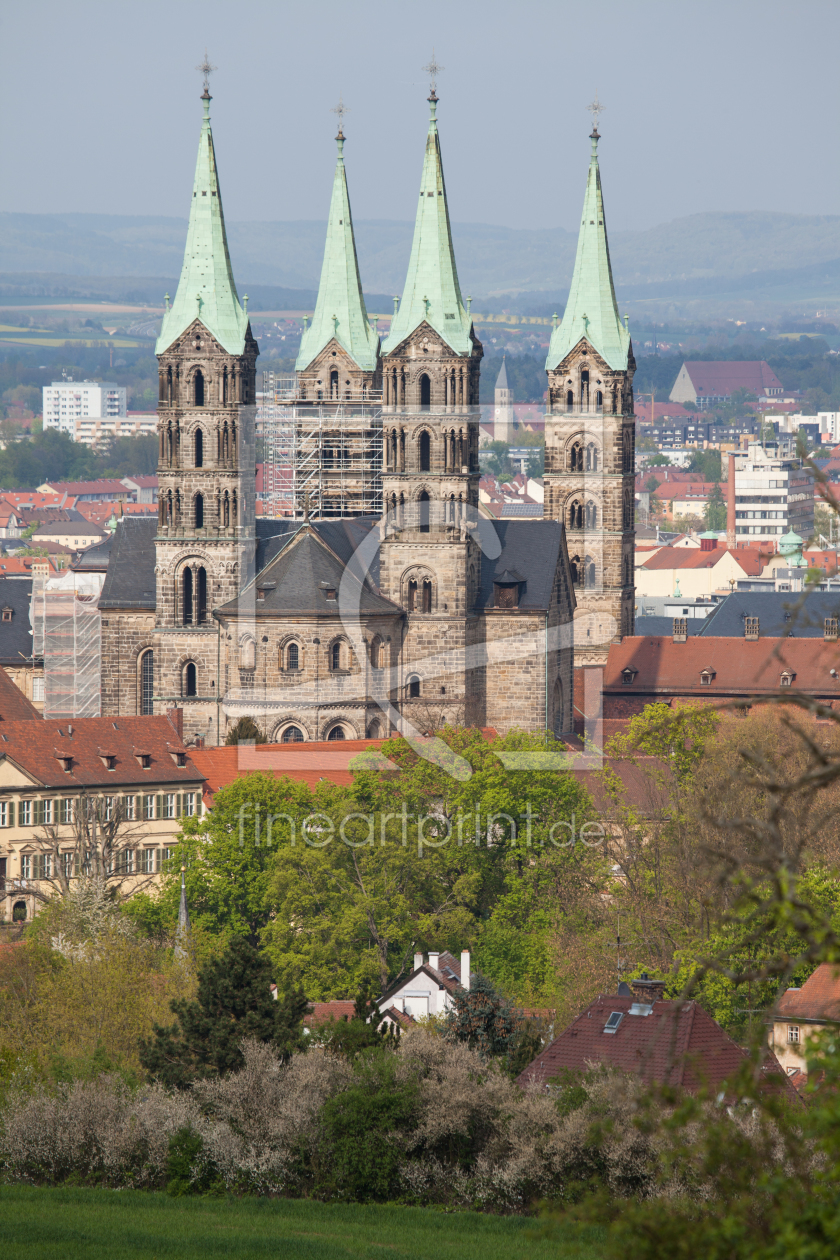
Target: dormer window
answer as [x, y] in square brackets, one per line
[144, 759]
[706, 676]
[330, 593]
[108, 760]
[180, 758]
[786, 678]
[7, 614]
[627, 676]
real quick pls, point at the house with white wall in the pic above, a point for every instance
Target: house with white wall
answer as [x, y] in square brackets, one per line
[428, 989]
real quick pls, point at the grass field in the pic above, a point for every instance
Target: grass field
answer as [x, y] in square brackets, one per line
[64, 1224]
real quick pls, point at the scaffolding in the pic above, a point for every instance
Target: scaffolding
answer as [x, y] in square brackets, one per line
[67, 633]
[322, 457]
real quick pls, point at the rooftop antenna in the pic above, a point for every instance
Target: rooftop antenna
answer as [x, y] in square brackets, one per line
[206, 69]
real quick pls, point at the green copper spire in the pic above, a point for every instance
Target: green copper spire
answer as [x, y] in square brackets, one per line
[340, 310]
[432, 292]
[591, 310]
[206, 289]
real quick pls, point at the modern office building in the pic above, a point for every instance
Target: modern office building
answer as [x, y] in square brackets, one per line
[774, 493]
[68, 404]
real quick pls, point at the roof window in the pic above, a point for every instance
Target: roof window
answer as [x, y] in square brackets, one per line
[627, 676]
[613, 1022]
[706, 676]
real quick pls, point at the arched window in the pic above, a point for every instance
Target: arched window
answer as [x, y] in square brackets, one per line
[199, 511]
[335, 656]
[570, 400]
[427, 597]
[423, 502]
[425, 452]
[201, 596]
[198, 389]
[412, 596]
[576, 515]
[333, 384]
[576, 457]
[248, 654]
[413, 687]
[199, 449]
[147, 683]
[292, 735]
[292, 656]
[19, 912]
[589, 565]
[576, 571]
[190, 680]
[188, 597]
[591, 457]
[373, 731]
[600, 400]
[425, 391]
[376, 653]
[337, 732]
[591, 515]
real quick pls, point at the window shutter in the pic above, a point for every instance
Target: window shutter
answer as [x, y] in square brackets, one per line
[159, 807]
[11, 813]
[138, 808]
[180, 804]
[157, 860]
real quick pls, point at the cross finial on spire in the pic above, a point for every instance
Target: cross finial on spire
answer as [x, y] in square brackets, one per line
[595, 109]
[340, 109]
[433, 70]
[206, 69]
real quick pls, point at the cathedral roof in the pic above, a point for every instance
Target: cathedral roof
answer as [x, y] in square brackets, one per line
[591, 310]
[206, 289]
[530, 550]
[432, 293]
[130, 580]
[304, 578]
[340, 309]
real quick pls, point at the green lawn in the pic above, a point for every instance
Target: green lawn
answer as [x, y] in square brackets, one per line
[42, 1224]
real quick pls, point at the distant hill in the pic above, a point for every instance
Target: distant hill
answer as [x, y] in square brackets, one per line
[699, 256]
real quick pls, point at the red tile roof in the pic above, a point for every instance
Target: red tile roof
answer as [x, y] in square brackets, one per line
[818, 999]
[724, 377]
[322, 1012]
[307, 762]
[676, 1043]
[740, 667]
[102, 485]
[35, 747]
[751, 559]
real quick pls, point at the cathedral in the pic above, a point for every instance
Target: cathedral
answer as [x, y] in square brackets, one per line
[345, 623]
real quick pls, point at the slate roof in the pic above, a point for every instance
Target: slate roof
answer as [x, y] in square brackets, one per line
[302, 574]
[659, 626]
[530, 548]
[15, 635]
[780, 614]
[35, 747]
[817, 999]
[14, 706]
[95, 558]
[70, 529]
[677, 1043]
[520, 511]
[130, 580]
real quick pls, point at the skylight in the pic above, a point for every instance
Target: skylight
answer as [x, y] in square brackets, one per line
[614, 1020]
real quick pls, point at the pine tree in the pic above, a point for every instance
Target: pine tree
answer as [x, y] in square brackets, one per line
[234, 1002]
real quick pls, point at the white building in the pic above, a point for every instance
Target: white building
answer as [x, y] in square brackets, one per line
[428, 989]
[68, 402]
[774, 494]
[829, 422]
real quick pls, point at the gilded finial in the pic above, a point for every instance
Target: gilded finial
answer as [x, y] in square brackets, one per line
[206, 70]
[595, 109]
[433, 69]
[340, 109]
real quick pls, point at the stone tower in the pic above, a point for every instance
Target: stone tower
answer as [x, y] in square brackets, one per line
[339, 437]
[204, 548]
[429, 561]
[504, 424]
[590, 437]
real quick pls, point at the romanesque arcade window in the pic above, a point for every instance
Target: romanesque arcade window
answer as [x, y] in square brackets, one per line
[576, 457]
[293, 656]
[337, 732]
[576, 515]
[591, 457]
[198, 388]
[292, 735]
[425, 391]
[423, 512]
[190, 680]
[199, 449]
[425, 451]
[591, 515]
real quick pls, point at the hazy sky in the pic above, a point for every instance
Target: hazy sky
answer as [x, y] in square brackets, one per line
[710, 105]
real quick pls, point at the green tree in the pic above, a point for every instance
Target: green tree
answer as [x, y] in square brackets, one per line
[245, 731]
[234, 1001]
[714, 513]
[482, 1018]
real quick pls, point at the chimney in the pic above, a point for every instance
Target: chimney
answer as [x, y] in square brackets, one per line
[176, 717]
[647, 990]
[434, 959]
[465, 969]
[680, 632]
[730, 502]
[418, 961]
